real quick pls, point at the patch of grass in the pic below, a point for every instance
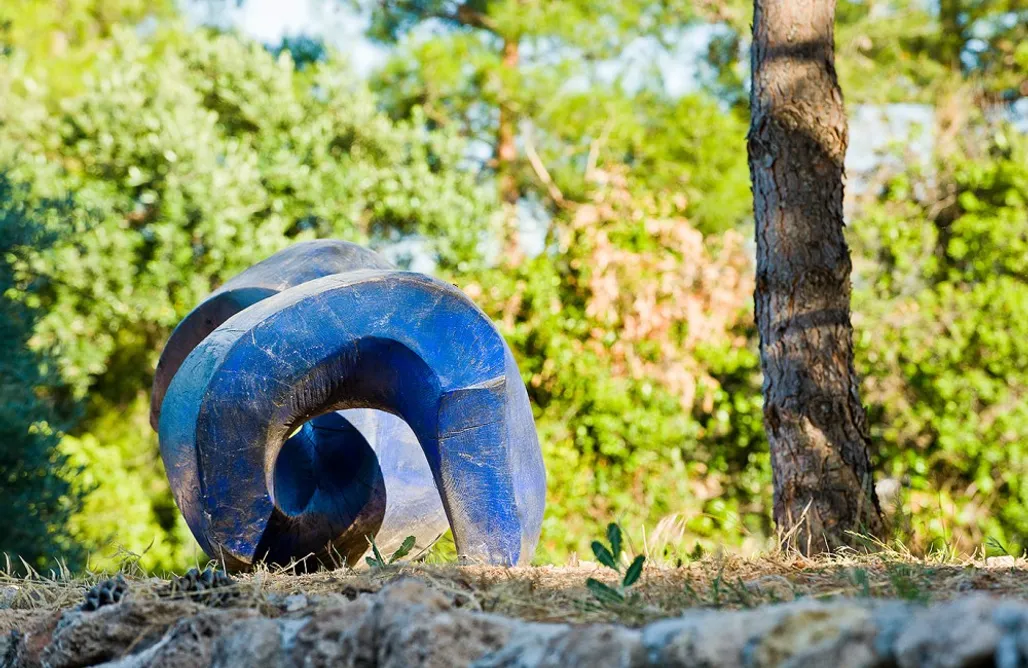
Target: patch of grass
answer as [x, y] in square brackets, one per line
[909, 581]
[560, 593]
[861, 581]
[730, 593]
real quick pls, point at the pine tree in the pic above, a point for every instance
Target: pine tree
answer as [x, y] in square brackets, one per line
[34, 489]
[815, 422]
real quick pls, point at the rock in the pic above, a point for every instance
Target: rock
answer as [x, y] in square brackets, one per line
[89, 638]
[410, 624]
[295, 602]
[254, 642]
[1005, 561]
[842, 634]
[29, 632]
[409, 591]
[527, 646]
[22, 620]
[10, 649]
[407, 624]
[336, 636]
[561, 646]
[423, 639]
[8, 594]
[701, 639]
[415, 627]
[188, 644]
[964, 632]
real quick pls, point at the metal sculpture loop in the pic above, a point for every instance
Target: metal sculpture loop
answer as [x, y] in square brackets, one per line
[321, 397]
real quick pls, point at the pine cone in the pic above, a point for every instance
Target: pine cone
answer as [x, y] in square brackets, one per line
[211, 586]
[105, 593]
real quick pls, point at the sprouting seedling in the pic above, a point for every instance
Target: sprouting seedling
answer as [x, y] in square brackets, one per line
[996, 546]
[610, 556]
[376, 560]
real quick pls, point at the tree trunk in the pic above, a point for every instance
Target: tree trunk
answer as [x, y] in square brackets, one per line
[815, 422]
[506, 155]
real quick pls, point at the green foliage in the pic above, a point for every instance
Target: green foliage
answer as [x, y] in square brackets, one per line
[636, 345]
[901, 50]
[625, 178]
[908, 582]
[127, 510]
[376, 560]
[62, 39]
[610, 556]
[33, 474]
[250, 154]
[727, 591]
[944, 343]
[191, 156]
[861, 580]
[460, 78]
[598, 26]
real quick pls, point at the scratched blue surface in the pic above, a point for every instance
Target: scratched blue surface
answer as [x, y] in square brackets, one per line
[410, 362]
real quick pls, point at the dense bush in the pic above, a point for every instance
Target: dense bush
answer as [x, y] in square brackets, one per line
[34, 490]
[943, 340]
[190, 157]
[635, 341]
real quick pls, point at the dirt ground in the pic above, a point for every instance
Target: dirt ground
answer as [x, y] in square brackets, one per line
[559, 593]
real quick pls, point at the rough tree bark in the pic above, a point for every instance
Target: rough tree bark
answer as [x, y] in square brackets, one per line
[506, 155]
[815, 422]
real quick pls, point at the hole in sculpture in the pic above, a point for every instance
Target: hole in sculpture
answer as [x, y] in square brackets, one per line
[330, 488]
[325, 463]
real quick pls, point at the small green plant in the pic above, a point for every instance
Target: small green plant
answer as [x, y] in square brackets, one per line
[610, 556]
[724, 592]
[907, 582]
[862, 581]
[376, 560]
[993, 545]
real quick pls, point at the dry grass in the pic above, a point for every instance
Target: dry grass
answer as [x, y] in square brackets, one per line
[558, 593]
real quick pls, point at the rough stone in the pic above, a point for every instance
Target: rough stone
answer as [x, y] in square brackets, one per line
[964, 632]
[842, 634]
[295, 602]
[821, 635]
[420, 638]
[255, 642]
[8, 594]
[1004, 561]
[10, 648]
[29, 632]
[340, 636]
[90, 638]
[408, 623]
[702, 639]
[22, 620]
[188, 644]
[562, 646]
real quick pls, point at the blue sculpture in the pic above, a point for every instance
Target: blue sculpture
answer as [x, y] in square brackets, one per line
[322, 396]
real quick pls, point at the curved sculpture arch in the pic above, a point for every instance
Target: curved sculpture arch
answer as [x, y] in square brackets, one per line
[369, 339]
[290, 267]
